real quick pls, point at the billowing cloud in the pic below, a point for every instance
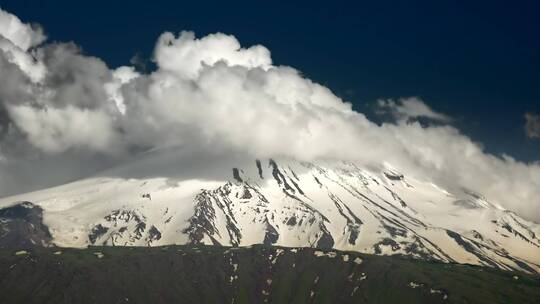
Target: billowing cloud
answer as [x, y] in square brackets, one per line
[71, 110]
[16, 40]
[57, 129]
[532, 125]
[22, 35]
[408, 109]
[187, 56]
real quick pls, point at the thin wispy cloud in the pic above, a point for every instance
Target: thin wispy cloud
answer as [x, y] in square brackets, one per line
[532, 125]
[410, 109]
[70, 110]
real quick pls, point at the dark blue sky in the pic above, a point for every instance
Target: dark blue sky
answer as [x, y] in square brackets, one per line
[477, 62]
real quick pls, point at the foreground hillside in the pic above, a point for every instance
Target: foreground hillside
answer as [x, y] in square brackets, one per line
[257, 274]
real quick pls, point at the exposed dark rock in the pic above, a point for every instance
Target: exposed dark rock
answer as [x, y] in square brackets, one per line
[259, 168]
[318, 181]
[96, 232]
[394, 231]
[353, 236]
[419, 249]
[236, 175]
[468, 204]
[470, 248]
[291, 221]
[297, 187]
[477, 235]
[474, 194]
[271, 236]
[246, 194]
[386, 242]
[153, 234]
[116, 217]
[396, 197]
[522, 265]
[123, 219]
[202, 222]
[325, 240]
[353, 222]
[139, 229]
[279, 177]
[21, 226]
[393, 176]
[516, 233]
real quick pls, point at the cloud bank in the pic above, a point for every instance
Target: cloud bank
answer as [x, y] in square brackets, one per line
[66, 114]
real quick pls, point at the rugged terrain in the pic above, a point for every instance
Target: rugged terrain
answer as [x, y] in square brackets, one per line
[257, 274]
[160, 199]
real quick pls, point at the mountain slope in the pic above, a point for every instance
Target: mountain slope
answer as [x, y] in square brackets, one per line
[155, 201]
[258, 274]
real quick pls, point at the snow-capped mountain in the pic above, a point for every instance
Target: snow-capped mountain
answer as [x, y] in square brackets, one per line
[156, 200]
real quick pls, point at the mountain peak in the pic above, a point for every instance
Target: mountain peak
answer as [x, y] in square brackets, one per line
[284, 202]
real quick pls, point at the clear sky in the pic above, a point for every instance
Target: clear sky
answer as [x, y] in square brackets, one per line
[476, 62]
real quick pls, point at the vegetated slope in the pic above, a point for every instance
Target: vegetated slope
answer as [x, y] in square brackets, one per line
[160, 199]
[259, 274]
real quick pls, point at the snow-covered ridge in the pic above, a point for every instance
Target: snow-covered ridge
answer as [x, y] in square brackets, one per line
[290, 203]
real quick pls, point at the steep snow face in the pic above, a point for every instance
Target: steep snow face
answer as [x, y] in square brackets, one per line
[288, 203]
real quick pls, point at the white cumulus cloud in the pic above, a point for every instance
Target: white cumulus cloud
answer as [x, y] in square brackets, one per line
[186, 55]
[21, 34]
